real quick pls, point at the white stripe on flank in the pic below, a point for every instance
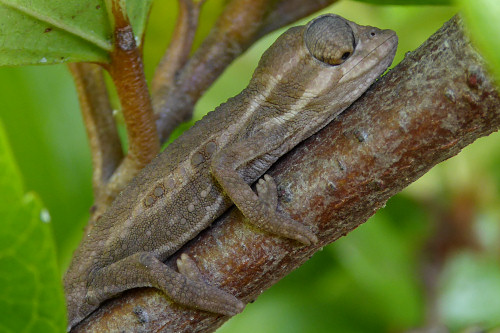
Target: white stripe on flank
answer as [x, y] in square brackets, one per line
[256, 103]
[318, 85]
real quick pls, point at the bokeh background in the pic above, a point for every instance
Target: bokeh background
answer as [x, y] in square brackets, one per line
[429, 259]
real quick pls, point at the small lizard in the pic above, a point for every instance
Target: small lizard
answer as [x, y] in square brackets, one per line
[303, 81]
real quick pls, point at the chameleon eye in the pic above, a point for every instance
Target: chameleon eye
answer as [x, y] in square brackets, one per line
[330, 39]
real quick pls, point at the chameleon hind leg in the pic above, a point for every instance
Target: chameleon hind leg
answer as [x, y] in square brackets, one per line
[145, 270]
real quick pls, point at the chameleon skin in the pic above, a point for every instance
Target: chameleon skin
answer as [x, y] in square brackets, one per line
[303, 81]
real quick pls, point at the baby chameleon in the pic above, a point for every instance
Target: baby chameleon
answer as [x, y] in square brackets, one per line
[303, 81]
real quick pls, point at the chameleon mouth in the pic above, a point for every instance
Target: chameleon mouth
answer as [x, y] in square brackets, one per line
[389, 45]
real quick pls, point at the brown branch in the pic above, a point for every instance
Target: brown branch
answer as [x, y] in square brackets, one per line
[126, 70]
[434, 103]
[288, 11]
[178, 51]
[239, 26]
[111, 172]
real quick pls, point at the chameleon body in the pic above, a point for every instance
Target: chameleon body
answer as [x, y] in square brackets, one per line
[303, 81]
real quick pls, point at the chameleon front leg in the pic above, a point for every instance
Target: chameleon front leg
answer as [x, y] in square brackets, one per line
[145, 270]
[260, 208]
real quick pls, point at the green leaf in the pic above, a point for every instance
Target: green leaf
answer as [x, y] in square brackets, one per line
[31, 296]
[138, 12]
[54, 31]
[481, 17]
[410, 2]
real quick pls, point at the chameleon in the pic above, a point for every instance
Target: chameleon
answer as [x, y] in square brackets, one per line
[305, 79]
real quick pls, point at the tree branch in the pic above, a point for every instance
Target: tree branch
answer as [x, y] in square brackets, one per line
[434, 103]
[178, 51]
[126, 70]
[288, 11]
[111, 172]
[241, 24]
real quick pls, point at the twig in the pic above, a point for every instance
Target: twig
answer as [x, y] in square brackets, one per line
[178, 51]
[437, 101]
[126, 70]
[105, 145]
[289, 11]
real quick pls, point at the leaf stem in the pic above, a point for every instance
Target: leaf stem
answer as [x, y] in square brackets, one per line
[126, 70]
[104, 142]
[178, 51]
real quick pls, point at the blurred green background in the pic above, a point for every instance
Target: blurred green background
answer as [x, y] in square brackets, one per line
[429, 258]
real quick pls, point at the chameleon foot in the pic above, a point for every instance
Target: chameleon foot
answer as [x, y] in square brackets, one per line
[276, 222]
[143, 269]
[188, 268]
[196, 293]
[267, 191]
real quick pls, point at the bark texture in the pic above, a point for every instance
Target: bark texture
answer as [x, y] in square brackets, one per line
[434, 103]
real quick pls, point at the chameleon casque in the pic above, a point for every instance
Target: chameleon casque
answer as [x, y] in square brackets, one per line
[303, 81]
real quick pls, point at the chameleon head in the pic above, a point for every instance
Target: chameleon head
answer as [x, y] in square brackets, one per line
[352, 56]
[329, 61]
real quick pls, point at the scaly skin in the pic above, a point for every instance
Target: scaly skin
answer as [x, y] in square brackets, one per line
[305, 79]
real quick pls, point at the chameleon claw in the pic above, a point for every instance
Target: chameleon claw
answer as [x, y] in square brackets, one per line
[301, 233]
[267, 191]
[281, 225]
[188, 268]
[209, 298]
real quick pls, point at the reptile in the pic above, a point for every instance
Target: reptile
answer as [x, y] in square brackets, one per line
[303, 81]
